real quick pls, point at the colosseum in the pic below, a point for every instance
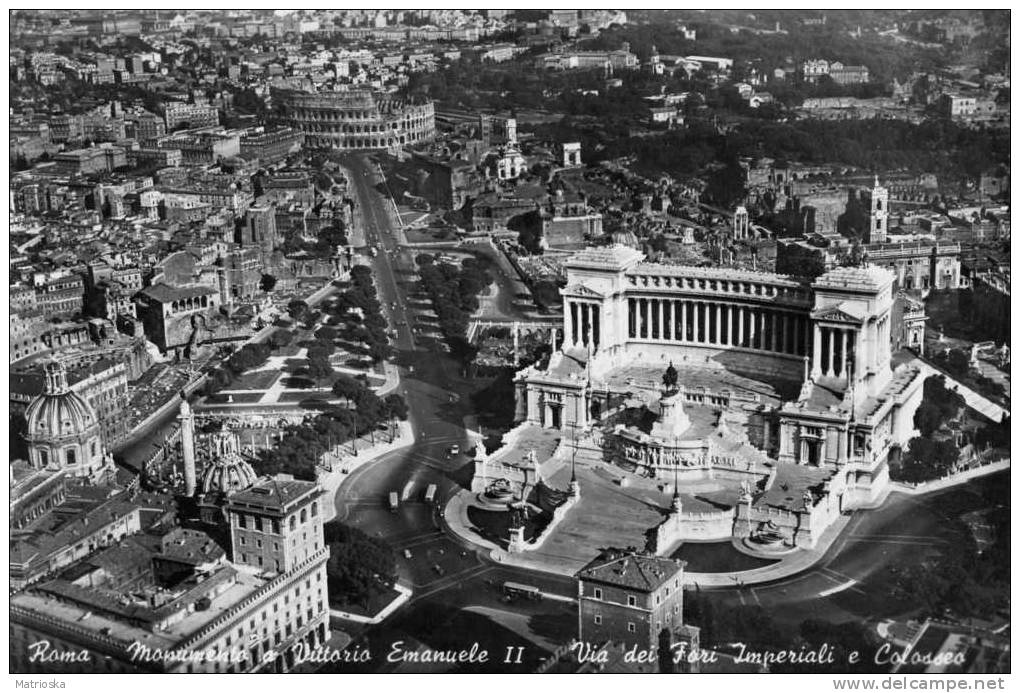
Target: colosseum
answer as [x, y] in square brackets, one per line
[356, 119]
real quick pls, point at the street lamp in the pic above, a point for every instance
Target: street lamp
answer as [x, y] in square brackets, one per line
[575, 487]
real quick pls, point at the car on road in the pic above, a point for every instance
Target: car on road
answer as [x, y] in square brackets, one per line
[454, 450]
[407, 553]
[438, 570]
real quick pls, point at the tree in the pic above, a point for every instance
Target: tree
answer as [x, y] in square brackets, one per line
[529, 231]
[321, 350]
[319, 368]
[928, 418]
[347, 388]
[326, 334]
[359, 565]
[926, 459]
[296, 309]
[546, 292]
[957, 362]
[281, 338]
[996, 435]
[842, 639]
[267, 283]
[949, 402]
[397, 407]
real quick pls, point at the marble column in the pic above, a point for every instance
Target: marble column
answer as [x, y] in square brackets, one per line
[774, 328]
[830, 352]
[740, 326]
[683, 320]
[662, 318]
[843, 355]
[816, 355]
[718, 324]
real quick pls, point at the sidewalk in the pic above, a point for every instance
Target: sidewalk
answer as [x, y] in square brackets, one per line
[345, 465]
[391, 382]
[950, 481]
[786, 567]
[398, 601]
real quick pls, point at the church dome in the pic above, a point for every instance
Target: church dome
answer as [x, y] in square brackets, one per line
[228, 471]
[59, 413]
[625, 237]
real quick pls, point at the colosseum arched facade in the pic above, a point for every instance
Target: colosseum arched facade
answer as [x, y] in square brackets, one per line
[356, 119]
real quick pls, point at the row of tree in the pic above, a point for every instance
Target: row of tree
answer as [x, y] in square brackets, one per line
[359, 565]
[358, 309]
[247, 357]
[758, 631]
[965, 580]
[930, 455]
[304, 444]
[454, 294]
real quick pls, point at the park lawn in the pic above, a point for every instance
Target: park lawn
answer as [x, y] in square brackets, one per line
[255, 380]
[238, 397]
[421, 236]
[301, 396]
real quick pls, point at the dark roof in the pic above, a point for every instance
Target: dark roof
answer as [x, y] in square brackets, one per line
[164, 293]
[633, 571]
[274, 493]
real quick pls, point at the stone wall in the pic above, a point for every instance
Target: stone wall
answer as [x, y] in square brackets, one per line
[711, 526]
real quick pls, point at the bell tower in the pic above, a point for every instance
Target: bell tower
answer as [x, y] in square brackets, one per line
[878, 214]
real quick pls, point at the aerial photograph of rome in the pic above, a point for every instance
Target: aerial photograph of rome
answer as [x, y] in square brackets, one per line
[522, 341]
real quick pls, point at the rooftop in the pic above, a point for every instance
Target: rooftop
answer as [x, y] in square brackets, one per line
[615, 257]
[127, 619]
[164, 293]
[633, 571]
[276, 493]
[724, 273]
[871, 279]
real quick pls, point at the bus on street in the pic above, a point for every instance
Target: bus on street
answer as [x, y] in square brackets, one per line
[516, 589]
